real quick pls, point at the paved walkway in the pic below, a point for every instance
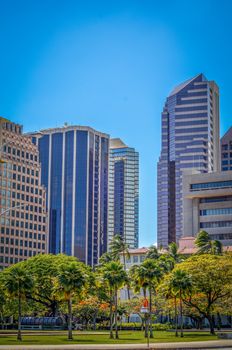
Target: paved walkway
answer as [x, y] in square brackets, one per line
[206, 345]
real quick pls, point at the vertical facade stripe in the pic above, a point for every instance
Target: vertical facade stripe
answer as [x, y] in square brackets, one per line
[87, 202]
[74, 190]
[49, 185]
[62, 196]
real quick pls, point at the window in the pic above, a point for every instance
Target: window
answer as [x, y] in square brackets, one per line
[135, 259]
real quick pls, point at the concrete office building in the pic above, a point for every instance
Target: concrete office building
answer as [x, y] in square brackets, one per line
[74, 161]
[226, 151]
[124, 192]
[207, 206]
[23, 228]
[190, 140]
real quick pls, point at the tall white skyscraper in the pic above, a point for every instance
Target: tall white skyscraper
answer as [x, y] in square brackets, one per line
[123, 193]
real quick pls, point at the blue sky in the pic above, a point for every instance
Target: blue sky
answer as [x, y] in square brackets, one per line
[110, 65]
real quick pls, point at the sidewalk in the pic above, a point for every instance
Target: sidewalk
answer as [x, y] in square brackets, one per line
[213, 344]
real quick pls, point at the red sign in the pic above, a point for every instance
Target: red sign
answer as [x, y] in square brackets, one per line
[145, 303]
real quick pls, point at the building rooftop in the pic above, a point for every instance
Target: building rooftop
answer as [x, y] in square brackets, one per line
[142, 250]
[117, 143]
[67, 127]
[227, 136]
[181, 86]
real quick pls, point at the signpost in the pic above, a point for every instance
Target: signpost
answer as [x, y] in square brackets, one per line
[145, 310]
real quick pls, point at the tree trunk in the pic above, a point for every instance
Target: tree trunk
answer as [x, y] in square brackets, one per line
[53, 308]
[211, 324]
[176, 318]
[70, 336]
[111, 317]
[19, 336]
[181, 315]
[116, 313]
[219, 321]
[94, 321]
[150, 310]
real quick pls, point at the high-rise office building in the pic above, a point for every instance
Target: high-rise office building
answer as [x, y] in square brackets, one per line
[226, 151]
[23, 227]
[190, 140]
[124, 192]
[74, 163]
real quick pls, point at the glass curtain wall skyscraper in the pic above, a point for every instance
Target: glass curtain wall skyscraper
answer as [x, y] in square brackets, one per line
[190, 141]
[74, 163]
[124, 192]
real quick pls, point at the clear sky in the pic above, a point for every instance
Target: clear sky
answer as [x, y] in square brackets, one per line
[110, 65]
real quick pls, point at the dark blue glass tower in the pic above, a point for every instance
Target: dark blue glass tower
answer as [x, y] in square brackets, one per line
[74, 164]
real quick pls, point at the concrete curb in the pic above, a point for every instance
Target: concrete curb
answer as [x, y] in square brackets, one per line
[214, 344]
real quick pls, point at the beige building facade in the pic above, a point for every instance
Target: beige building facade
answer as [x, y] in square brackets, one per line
[23, 227]
[207, 205]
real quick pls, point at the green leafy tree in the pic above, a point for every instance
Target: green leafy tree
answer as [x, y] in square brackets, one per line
[211, 277]
[17, 283]
[44, 269]
[71, 278]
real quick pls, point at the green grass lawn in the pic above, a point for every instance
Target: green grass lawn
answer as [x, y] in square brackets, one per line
[103, 338]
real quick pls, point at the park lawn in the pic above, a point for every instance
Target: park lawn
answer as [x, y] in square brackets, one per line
[102, 338]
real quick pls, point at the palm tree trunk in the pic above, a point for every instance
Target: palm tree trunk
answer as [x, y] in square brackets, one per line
[181, 315]
[176, 319]
[150, 310]
[111, 316]
[124, 265]
[19, 336]
[70, 336]
[116, 313]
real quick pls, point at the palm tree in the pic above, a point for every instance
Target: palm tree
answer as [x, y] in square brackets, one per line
[71, 279]
[173, 252]
[206, 245]
[18, 283]
[180, 283]
[119, 246]
[105, 258]
[216, 247]
[153, 253]
[149, 273]
[115, 277]
[167, 290]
